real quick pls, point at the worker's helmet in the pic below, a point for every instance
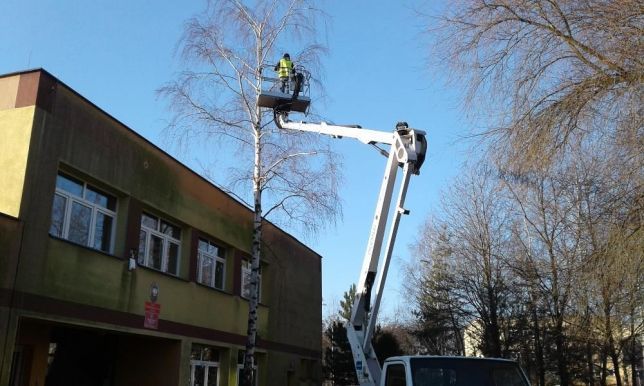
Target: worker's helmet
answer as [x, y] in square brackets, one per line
[287, 56]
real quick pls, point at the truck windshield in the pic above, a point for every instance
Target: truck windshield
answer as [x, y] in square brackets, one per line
[465, 372]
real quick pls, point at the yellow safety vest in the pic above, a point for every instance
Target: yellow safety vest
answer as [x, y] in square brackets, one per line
[285, 68]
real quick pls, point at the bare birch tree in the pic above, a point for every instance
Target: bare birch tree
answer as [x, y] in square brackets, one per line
[291, 176]
[547, 71]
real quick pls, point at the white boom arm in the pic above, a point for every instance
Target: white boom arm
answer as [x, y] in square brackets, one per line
[408, 148]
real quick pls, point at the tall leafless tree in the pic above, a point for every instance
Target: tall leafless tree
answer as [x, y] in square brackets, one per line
[292, 177]
[551, 249]
[565, 245]
[559, 85]
[478, 238]
[579, 246]
[613, 265]
[466, 249]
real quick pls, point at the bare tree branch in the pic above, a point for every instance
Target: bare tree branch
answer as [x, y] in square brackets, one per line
[550, 67]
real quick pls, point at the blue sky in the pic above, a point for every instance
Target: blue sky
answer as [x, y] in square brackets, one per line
[117, 53]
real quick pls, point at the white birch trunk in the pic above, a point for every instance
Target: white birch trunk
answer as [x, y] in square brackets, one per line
[249, 357]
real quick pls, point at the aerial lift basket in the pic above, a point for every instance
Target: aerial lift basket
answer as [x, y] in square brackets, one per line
[295, 96]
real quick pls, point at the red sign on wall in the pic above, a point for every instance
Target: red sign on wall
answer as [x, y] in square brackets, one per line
[152, 311]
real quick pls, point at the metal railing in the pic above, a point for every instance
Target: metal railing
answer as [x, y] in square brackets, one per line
[274, 83]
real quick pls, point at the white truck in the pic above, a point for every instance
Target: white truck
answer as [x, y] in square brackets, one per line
[451, 371]
[407, 149]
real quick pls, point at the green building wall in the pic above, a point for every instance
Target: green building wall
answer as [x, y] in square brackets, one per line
[51, 128]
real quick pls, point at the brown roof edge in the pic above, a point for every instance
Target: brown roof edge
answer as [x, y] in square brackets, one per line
[36, 88]
[43, 99]
[14, 73]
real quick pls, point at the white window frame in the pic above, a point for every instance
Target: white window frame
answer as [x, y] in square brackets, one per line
[166, 241]
[71, 198]
[245, 277]
[206, 364]
[201, 255]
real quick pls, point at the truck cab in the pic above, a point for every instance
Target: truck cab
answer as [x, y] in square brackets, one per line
[451, 371]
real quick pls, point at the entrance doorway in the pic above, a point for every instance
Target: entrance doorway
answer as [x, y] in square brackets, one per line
[55, 354]
[80, 357]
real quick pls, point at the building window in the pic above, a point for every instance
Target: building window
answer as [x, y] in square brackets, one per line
[211, 264]
[240, 368]
[159, 243]
[245, 280]
[204, 366]
[83, 214]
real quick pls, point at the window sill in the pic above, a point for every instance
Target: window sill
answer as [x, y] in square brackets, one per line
[139, 266]
[226, 292]
[85, 247]
[213, 288]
